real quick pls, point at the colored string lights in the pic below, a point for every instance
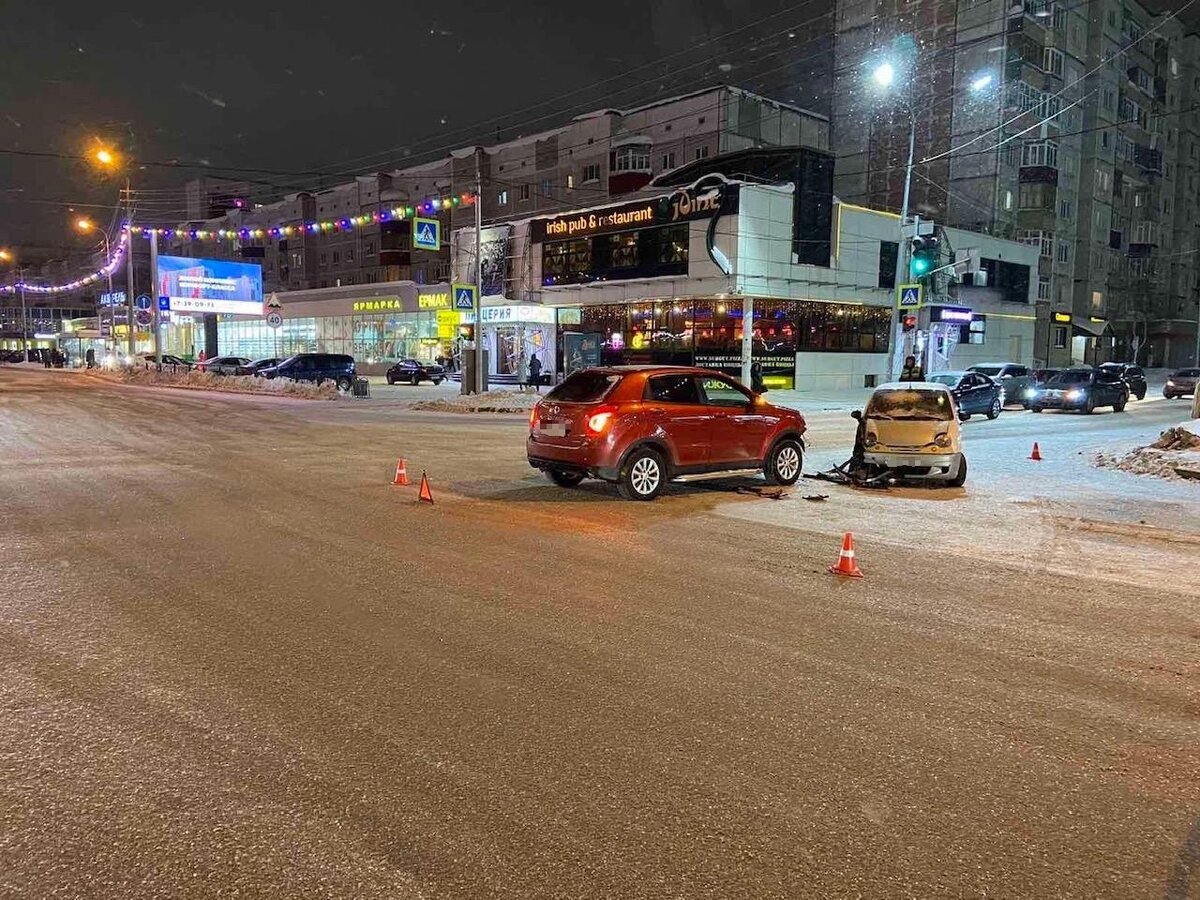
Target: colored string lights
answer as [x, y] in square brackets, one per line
[348, 223]
[114, 262]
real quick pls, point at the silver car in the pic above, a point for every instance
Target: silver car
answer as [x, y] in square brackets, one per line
[1014, 379]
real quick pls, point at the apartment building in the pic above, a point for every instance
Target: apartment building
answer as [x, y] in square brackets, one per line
[1017, 136]
[591, 158]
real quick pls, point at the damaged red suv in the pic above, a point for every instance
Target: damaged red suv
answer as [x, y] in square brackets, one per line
[642, 426]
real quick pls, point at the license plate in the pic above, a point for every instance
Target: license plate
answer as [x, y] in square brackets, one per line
[553, 430]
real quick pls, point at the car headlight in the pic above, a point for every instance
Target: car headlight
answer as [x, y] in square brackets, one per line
[871, 439]
[1170, 383]
[1074, 395]
[1030, 392]
[942, 440]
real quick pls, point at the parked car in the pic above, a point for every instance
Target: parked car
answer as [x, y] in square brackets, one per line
[223, 365]
[642, 426]
[973, 393]
[1131, 375]
[1181, 383]
[168, 359]
[315, 367]
[1014, 379]
[912, 429]
[1082, 390]
[415, 372]
[256, 366]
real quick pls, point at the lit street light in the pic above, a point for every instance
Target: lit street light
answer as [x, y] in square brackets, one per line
[105, 157]
[885, 74]
[86, 225]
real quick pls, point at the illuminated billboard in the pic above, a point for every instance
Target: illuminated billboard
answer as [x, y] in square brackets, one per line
[211, 285]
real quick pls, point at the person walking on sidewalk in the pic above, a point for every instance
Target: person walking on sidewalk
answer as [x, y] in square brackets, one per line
[522, 372]
[535, 373]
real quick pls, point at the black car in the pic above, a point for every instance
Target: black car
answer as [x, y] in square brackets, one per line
[256, 366]
[315, 367]
[1040, 377]
[974, 393]
[169, 361]
[1131, 375]
[414, 372]
[1082, 390]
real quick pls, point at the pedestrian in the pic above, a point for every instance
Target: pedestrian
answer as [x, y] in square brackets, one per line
[66, 359]
[912, 370]
[756, 379]
[47, 358]
[90, 358]
[535, 373]
[202, 357]
[522, 372]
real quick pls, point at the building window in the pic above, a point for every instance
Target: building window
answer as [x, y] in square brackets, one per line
[1008, 200]
[1064, 252]
[631, 158]
[321, 259]
[1035, 195]
[702, 152]
[1043, 288]
[370, 248]
[1110, 99]
[1052, 61]
[1065, 210]
[502, 198]
[702, 120]
[337, 257]
[1104, 139]
[1097, 300]
[546, 186]
[591, 172]
[888, 251]
[1103, 181]
[1060, 337]
[668, 161]
[523, 192]
[349, 254]
[570, 181]
[1040, 239]
[1040, 153]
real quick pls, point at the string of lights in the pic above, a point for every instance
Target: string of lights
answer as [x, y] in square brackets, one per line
[111, 266]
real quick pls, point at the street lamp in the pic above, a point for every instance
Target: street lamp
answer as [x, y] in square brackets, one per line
[884, 74]
[8, 257]
[86, 225]
[105, 157]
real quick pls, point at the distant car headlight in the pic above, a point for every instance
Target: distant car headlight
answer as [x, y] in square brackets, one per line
[1170, 383]
[1074, 395]
[1030, 392]
[942, 440]
[871, 439]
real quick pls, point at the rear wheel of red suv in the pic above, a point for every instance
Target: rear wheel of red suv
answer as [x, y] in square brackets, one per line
[785, 462]
[643, 475]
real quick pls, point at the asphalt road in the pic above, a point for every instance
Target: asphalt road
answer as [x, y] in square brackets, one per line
[235, 661]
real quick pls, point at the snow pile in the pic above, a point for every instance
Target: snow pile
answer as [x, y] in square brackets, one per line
[489, 402]
[194, 379]
[1176, 454]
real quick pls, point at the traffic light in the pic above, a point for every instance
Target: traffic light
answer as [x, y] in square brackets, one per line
[923, 258]
[908, 321]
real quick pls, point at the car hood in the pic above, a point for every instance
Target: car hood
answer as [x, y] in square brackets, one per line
[896, 433]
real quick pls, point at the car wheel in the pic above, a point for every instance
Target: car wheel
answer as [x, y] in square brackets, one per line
[437, 381]
[643, 475]
[416, 379]
[1119, 406]
[1035, 409]
[994, 411]
[390, 379]
[344, 383]
[1141, 395]
[960, 477]
[1089, 407]
[564, 479]
[962, 416]
[784, 464]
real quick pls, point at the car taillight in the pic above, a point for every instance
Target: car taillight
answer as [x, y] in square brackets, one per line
[533, 417]
[599, 421]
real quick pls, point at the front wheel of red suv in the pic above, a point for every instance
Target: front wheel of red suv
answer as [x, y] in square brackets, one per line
[643, 475]
[785, 462]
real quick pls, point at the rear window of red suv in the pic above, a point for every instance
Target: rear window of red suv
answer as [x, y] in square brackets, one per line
[584, 387]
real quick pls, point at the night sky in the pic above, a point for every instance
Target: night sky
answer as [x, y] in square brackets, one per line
[305, 87]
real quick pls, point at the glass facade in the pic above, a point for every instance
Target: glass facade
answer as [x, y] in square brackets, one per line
[708, 332]
[368, 337]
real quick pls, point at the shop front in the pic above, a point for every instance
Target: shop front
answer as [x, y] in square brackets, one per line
[513, 330]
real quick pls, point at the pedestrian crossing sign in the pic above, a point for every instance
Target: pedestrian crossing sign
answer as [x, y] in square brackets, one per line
[909, 296]
[427, 234]
[464, 296]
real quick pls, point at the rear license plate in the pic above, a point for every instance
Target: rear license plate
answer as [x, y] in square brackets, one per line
[553, 430]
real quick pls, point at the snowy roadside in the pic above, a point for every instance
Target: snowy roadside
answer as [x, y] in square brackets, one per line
[230, 384]
[489, 402]
[1175, 455]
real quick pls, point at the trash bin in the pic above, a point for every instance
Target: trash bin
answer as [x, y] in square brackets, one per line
[361, 389]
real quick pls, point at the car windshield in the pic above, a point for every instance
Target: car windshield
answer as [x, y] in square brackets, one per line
[1071, 378]
[584, 387]
[987, 370]
[1188, 373]
[929, 406]
[951, 380]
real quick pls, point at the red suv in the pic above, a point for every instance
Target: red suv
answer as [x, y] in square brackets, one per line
[641, 426]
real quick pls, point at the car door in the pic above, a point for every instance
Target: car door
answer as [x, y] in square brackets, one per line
[1014, 381]
[675, 409]
[968, 392]
[739, 428]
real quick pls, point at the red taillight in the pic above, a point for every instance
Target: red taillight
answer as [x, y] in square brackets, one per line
[533, 416]
[599, 421]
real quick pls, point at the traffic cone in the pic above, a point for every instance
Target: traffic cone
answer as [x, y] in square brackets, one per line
[846, 564]
[402, 474]
[1036, 455]
[426, 495]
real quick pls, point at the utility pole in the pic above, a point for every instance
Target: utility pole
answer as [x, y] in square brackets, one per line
[747, 341]
[24, 312]
[480, 375]
[896, 335]
[129, 288]
[154, 298]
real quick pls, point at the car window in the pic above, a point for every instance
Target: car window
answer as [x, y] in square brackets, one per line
[719, 392]
[1070, 378]
[1018, 371]
[1189, 373]
[986, 370]
[948, 380]
[584, 387]
[672, 389]
[1108, 376]
[1134, 372]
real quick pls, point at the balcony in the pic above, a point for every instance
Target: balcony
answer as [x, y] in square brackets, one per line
[1038, 175]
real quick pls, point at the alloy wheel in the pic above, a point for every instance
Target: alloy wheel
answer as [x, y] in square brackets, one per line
[645, 476]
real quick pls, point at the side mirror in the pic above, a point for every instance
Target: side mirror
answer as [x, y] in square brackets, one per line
[856, 414]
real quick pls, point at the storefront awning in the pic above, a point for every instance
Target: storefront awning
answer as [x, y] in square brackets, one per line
[1091, 327]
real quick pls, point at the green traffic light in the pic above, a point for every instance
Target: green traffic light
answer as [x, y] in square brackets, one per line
[919, 266]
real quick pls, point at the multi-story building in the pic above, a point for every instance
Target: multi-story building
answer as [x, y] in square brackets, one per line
[592, 158]
[1023, 130]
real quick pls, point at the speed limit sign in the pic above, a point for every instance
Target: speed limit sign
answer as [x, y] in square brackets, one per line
[274, 319]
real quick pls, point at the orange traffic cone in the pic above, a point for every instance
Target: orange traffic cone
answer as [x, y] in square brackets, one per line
[846, 564]
[401, 473]
[426, 495]
[1036, 454]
